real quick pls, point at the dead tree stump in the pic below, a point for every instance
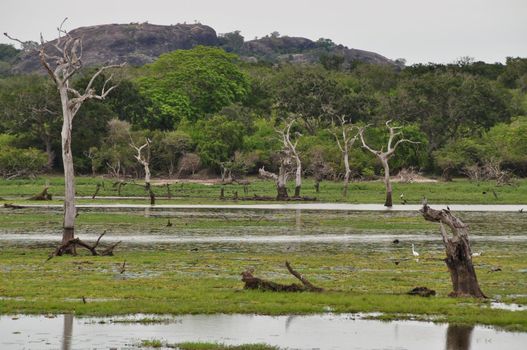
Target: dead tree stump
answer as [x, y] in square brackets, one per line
[459, 254]
[252, 282]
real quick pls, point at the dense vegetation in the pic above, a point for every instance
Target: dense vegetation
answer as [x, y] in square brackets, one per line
[204, 109]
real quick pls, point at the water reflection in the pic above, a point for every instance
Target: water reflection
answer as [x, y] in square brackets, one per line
[325, 331]
[68, 332]
[458, 337]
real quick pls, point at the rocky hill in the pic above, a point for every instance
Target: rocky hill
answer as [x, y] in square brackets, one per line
[141, 43]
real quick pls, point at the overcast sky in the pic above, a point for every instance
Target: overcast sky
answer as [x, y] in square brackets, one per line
[417, 30]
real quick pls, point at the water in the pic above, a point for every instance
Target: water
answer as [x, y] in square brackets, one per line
[256, 239]
[300, 206]
[328, 331]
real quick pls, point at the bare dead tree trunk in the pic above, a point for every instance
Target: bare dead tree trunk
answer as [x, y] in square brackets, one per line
[459, 254]
[281, 184]
[345, 145]
[290, 148]
[69, 175]
[144, 160]
[385, 156]
[280, 180]
[387, 184]
[61, 65]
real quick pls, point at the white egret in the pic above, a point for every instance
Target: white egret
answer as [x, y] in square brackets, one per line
[416, 254]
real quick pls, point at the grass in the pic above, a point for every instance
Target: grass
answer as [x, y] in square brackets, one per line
[459, 191]
[178, 280]
[184, 278]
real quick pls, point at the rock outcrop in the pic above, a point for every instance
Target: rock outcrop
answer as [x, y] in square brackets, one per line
[141, 43]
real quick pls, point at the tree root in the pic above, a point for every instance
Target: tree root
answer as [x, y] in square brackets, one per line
[252, 282]
[65, 247]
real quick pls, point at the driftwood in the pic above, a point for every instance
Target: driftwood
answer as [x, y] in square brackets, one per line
[459, 254]
[42, 196]
[70, 247]
[252, 282]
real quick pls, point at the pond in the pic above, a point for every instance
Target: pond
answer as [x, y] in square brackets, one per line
[326, 331]
[300, 206]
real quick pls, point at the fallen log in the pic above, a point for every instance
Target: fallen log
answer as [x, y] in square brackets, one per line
[252, 282]
[422, 292]
[73, 243]
[273, 199]
[42, 196]
[13, 206]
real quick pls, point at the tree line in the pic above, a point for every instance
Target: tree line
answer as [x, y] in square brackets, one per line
[205, 111]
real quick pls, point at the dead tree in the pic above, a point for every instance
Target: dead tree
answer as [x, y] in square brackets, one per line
[345, 142]
[280, 178]
[62, 59]
[458, 252]
[290, 147]
[252, 282]
[144, 160]
[384, 156]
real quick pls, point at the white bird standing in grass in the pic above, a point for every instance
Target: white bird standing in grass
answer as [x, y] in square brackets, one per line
[477, 254]
[416, 254]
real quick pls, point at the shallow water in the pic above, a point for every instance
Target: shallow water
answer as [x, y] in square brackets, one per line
[301, 206]
[335, 332]
[255, 239]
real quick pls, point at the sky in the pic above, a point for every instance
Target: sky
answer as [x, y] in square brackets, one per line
[419, 31]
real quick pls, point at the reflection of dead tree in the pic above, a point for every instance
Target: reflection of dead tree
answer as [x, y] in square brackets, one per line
[70, 246]
[459, 254]
[384, 157]
[345, 142]
[458, 337]
[252, 282]
[144, 160]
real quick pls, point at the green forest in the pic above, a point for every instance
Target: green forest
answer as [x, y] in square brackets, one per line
[205, 110]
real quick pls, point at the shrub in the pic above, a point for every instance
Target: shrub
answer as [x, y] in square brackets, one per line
[16, 162]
